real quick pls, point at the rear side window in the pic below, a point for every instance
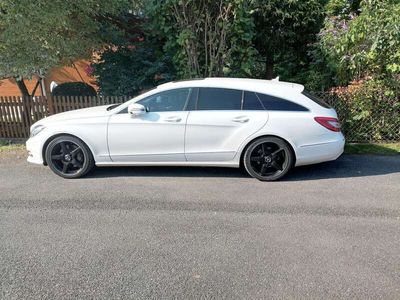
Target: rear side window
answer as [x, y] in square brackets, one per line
[251, 101]
[316, 99]
[275, 103]
[219, 99]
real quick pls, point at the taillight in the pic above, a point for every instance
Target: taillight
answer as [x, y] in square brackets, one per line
[329, 123]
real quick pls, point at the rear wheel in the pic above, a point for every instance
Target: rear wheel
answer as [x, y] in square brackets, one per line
[69, 157]
[268, 158]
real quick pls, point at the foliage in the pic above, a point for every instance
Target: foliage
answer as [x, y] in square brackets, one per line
[38, 35]
[284, 30]
[364, 42]
[129, 70]
[371, 110]
[205, 37]
[74, 89]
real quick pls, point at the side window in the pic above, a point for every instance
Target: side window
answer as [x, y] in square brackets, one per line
[316, 99]
[251, 101]
[275, 103]
[219, 99]
[173, 100]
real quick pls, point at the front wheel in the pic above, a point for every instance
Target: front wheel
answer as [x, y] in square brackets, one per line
[268, 158]
[69, 157]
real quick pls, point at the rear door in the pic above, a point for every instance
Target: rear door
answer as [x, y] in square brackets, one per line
[218, 125]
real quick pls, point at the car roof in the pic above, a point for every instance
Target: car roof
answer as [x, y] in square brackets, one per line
[272, 86]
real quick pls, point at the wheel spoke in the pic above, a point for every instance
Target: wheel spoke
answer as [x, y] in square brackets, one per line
[256, 158]
[75, 151]
[263, 169]
[63, 148]
[57, 157]
[65, 167]
[264, 150]
[77, 163]
[276, 152]
[276, 166]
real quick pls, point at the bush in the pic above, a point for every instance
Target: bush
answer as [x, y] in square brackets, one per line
[369, 110]
[74, 89]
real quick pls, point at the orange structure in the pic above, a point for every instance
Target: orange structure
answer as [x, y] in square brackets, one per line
[77, 72]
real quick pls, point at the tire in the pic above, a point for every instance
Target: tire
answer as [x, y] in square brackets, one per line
[268, 158]
[69, 157]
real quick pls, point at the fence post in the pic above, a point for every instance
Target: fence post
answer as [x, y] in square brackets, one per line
[26, 104]
[50, 103]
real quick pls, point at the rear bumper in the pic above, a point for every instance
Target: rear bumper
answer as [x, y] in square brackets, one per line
[320, 152]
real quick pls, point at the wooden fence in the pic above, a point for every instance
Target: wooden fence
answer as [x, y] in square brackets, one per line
[17, 114]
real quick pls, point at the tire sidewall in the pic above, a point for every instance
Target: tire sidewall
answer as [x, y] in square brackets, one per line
[288, 153]
[88, 158]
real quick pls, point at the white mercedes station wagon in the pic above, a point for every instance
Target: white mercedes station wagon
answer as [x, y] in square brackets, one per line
[265, 126]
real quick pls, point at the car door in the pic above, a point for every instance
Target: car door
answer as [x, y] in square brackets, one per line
[217, 126]
[156, 136]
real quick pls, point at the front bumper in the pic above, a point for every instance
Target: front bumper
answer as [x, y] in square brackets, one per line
[34, 148]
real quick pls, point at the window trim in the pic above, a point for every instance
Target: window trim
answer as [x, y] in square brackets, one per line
[242, 101]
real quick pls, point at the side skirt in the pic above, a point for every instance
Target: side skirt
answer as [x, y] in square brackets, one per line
[229, 164]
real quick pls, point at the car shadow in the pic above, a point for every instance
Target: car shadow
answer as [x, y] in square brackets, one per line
[344, 167]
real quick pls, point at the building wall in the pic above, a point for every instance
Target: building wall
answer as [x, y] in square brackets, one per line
[8, 87]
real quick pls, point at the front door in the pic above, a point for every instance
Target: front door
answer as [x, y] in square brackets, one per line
[156, 136]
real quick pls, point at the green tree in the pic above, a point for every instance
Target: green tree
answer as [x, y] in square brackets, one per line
[205, 37]
[128, 70]
[364, 42]
[284, 30]
[38, 35]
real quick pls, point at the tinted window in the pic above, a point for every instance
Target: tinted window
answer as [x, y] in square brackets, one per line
[316, 99]
[275, 103]
[251, 102]
[219, 99]
[173, 100]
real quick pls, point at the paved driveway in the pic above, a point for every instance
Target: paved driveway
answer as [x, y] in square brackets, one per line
[326, 231]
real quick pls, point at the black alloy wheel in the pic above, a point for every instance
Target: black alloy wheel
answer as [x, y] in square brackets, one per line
[69, 157]
[268, 158]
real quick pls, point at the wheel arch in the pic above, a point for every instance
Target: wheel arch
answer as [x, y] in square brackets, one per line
[54, 136]
[264, 136]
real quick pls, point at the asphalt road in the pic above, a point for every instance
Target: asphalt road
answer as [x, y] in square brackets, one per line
[326, 231]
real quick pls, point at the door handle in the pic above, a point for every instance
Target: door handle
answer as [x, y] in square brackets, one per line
[241, 119]
[173, 119]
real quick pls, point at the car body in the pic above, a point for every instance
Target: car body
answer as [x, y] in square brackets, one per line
[205, 122]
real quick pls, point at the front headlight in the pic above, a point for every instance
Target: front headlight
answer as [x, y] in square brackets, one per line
[36, 130]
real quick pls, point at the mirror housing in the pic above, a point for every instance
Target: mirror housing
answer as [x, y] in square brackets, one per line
[136, 110]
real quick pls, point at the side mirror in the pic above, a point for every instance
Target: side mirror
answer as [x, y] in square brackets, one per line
[136, 110]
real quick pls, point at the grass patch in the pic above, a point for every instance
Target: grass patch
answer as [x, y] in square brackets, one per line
[381, 148]
[7, 146]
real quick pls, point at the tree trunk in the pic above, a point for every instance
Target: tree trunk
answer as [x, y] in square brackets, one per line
[22, 87]
[25, 101]
[269, 68]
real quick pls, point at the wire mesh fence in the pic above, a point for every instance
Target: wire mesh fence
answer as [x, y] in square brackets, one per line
[369, 118]
[373, 118]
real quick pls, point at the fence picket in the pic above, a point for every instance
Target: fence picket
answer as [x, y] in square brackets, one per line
[3, 127]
